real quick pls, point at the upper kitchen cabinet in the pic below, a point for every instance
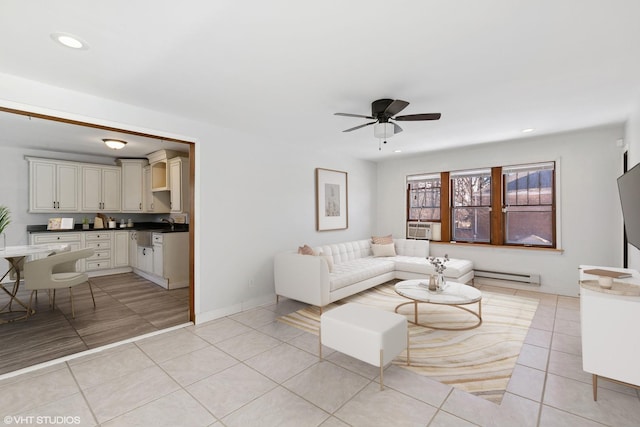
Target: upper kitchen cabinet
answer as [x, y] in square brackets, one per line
[53, 185]
[101, 188]
[158, 161]
[132, 184]
[179, 184]
[154, 201]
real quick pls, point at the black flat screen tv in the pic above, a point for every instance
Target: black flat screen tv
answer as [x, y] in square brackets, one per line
[629, 189]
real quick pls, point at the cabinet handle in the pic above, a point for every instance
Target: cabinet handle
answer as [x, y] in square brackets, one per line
[140, 205]
[144, 251]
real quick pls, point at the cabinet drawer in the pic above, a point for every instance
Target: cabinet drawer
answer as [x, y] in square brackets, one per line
[55, 238]
[101, 255]
[91, 265]
[99, 244]
[102, 235]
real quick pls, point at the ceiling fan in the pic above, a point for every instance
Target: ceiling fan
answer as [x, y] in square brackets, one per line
[383, 112]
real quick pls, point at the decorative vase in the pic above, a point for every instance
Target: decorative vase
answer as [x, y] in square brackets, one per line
[432, 283]
[440, 282]
[605, 282]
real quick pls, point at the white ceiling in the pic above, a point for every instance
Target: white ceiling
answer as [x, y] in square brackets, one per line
[281, 68]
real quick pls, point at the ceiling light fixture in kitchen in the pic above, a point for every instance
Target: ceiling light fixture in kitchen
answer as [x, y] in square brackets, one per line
[115, 144]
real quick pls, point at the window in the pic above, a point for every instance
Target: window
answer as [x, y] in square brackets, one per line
[424, 197]
[528, 203]
[471, 205]
[501, 205]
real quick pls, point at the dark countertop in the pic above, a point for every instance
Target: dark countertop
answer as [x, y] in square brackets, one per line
[158, 227]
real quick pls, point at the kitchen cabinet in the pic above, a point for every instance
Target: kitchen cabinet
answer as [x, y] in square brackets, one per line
[133, 249]
[53, 186]
[101, 188]
[100, 241]
[179, 184]
[158, 256]
[132, 184]
[120, 249]
[154, 201]
[145, 259]
[171, 259]
[75, 241]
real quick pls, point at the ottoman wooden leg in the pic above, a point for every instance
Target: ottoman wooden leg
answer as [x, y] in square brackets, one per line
[381, 370]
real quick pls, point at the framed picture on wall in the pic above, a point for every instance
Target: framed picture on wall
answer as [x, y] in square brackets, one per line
[332, 212]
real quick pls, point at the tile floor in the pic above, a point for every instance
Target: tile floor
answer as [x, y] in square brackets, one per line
[248, 369]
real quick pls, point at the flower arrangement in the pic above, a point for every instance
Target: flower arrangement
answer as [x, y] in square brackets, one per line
[439, 263]
[5, 218]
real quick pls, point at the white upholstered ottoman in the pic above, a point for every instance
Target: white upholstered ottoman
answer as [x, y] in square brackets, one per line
[365, 333]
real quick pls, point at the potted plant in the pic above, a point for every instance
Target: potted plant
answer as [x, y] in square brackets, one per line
[5, 220]
[85, 223]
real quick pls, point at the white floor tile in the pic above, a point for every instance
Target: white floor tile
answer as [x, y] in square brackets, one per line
[372, 407]
[198, 365]
[175, 409]
[229, 390]
[282, 362]
[277, 408]
[326, 385]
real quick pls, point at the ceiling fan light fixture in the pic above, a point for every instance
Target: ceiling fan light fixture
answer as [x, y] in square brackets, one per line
[115, 144]
[383, 130]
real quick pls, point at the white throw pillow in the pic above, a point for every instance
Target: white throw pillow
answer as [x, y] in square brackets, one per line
[383, 250]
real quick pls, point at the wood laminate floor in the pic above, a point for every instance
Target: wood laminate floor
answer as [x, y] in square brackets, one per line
[127, 305]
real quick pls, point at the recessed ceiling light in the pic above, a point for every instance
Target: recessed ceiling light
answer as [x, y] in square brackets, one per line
[69, 40]
[397, 151]
[528, 130]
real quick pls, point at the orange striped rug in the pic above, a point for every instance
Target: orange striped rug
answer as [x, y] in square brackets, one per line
[479, 361]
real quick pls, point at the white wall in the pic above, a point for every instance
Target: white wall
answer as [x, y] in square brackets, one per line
[632, 138]
[589, 213]
[254, 195]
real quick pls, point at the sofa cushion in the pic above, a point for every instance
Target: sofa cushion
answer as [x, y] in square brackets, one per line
[455, 267]
[382, 240]
[306, 250]
[357, 270]
[383, 250]
[343, 252]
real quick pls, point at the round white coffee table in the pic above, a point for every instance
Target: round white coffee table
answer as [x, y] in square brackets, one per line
[454, 294]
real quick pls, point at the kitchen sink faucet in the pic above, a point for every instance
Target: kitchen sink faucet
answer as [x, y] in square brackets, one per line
[171, 222]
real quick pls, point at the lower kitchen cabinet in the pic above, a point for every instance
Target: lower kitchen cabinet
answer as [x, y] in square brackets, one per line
[111, 249]
[145, 259]
[165, 262]
[120, 249]
[133, 249]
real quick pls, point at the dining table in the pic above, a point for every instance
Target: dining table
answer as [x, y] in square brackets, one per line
[15, 256]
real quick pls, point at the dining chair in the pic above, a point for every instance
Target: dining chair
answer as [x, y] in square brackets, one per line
[57, 271]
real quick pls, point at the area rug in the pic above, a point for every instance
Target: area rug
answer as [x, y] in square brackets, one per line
[479, 361]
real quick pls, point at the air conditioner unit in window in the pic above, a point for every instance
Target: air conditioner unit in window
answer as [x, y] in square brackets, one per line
[423, 230]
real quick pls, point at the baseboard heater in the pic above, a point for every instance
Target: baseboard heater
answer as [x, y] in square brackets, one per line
[533, 279]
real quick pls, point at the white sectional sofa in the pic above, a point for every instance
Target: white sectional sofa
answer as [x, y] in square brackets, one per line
[343, 269]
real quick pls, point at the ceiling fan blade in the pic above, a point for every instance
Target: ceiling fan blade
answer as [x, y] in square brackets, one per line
[416, 117]
[396, 128]
[353, 115]
[358, 127]
[395, 107]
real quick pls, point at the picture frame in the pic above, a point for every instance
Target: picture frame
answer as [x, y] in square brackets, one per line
[332, 200]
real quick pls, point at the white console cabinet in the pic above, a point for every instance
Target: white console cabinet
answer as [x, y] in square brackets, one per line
[610, 347]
